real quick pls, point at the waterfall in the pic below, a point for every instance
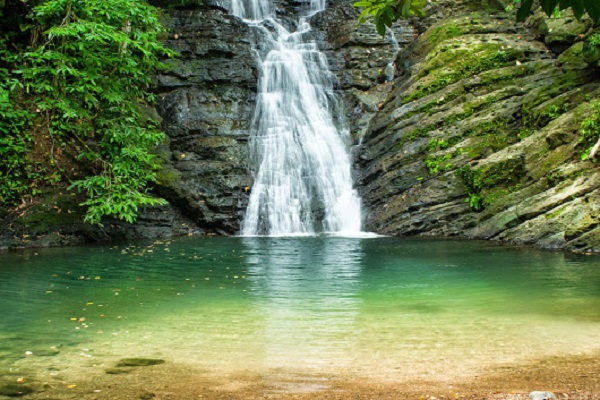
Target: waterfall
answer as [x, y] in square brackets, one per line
[390, 68]
[303, 181]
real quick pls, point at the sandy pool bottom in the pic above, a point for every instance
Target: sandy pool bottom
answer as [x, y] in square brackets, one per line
[572, 377]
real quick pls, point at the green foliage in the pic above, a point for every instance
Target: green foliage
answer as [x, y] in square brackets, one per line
[14, 140]
[590, 130]
[436, 164]
[87, 74]
[385, 12]
[176, 3]
[435, 144]
[475, 201]
[550, 7]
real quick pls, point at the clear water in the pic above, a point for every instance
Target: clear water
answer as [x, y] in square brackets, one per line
[381, 308]
[303, 182]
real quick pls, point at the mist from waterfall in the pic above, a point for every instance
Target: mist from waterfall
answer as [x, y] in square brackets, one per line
[303, 181]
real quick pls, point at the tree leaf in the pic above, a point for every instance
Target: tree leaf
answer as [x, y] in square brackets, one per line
[577, 6]
[593, 9]
[524, 10]
[549, 5]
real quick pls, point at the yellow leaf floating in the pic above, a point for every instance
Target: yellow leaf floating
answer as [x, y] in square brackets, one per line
[71, 386]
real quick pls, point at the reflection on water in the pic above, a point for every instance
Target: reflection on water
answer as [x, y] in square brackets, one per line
[380, 307]
[308, 296]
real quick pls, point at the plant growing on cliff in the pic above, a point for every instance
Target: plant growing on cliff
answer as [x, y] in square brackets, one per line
[87, 74]
[590, 132]
[385, 12]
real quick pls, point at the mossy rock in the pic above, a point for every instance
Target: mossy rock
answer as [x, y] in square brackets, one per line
[591, 54]
[139, 362]
[560, 33]
[573, 57]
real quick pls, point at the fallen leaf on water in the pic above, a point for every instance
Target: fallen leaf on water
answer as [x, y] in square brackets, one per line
[21, 380]
[72, 386]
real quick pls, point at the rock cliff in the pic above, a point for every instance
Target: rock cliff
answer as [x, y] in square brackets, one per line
[469, 125]
[206, 101]
[480, 136]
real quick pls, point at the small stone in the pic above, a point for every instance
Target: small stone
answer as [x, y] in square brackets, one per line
[146, 395]
[46, 352]
[538, 395]
[139, 362]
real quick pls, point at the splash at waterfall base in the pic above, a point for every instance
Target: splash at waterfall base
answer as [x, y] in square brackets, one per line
[575, 378]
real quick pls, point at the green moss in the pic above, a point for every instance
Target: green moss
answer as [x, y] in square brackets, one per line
[166, 176]
[556, 213]
[54, 211]
[439, 34]
[415, 134]
[561, 84]
[450, 63]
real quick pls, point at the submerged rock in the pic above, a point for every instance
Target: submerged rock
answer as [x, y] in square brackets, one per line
[117, 371]
[15, 390]
[139, 362]
[537, 395]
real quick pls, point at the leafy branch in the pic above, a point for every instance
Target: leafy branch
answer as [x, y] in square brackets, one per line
[385, 12]
[88, 70]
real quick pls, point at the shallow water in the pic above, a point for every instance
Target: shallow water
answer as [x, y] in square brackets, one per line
[383, 308]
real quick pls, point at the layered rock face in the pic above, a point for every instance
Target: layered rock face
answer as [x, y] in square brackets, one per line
[481, 136]
[206, 101]
[472, 131]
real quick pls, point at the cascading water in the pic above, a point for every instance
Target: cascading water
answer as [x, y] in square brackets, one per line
[303, 181]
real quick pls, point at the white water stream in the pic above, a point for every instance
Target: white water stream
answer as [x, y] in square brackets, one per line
[303, 181]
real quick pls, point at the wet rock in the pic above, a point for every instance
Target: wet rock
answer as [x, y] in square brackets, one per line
[139, 362]
[537, 395]
[206, 102]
